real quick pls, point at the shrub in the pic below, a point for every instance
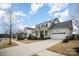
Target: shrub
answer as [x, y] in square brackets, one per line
[20, 38]
[76, 49]
[65, 40]
[71, 37]
[32, 37]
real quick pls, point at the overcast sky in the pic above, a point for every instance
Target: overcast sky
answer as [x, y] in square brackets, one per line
[30, 14]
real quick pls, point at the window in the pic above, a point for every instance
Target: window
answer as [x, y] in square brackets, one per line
[36, 33]
[76, 21]
[46, 25]
[41, 25]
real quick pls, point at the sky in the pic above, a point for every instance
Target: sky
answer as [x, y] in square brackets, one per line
[30, 14]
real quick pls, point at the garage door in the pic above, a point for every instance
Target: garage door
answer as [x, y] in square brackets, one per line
[58, 35]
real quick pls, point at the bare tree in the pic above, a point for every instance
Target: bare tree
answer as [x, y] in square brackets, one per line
[9, 25]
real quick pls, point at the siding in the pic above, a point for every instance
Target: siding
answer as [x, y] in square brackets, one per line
[61, 30]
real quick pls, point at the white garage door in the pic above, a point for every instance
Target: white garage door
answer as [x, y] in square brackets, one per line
[58, 35]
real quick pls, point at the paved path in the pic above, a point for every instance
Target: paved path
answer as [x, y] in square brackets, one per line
[29, 49]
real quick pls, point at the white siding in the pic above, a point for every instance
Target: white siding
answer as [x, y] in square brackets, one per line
[75, 29]
[60, 30]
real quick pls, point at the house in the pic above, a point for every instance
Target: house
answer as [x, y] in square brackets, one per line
[54, 29]
[23, 33]
[42, 30]
[27, 31]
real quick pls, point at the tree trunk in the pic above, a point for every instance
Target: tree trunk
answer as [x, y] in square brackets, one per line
[10, 29]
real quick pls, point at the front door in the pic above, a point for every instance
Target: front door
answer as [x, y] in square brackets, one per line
[41, 34]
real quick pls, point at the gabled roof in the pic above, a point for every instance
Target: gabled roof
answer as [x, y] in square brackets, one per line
[51, 20]
[64, 24]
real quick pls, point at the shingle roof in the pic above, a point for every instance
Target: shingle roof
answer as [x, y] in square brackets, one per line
[65, 24]
[28, 28]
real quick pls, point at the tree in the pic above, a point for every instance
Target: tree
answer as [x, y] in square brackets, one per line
[11, 20]
[8, 24]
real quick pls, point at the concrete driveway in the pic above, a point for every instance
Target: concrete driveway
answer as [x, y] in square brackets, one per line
[29, 49]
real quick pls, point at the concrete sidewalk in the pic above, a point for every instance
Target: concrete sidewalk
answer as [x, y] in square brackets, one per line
[29, 49]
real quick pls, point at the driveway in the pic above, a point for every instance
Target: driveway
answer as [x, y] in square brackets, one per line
[29, 49]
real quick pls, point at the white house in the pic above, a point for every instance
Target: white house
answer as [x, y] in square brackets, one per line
[55, 29]
[27, 31]
[42, 30]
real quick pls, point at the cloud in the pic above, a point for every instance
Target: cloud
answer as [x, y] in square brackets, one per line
[19, 13]
[62, 15]
[61, 19]
[5, 5]
[33, 26]
[65, 13]
[2, 13]
[20, 26]
[35, 7]
[56, 7]
[16, 19]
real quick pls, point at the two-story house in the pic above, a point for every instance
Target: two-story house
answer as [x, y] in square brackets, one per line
[55, 29]
[42, 30]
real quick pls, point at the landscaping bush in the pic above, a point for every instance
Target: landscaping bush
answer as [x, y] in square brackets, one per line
[65, 40]
[32, 37]
[71, 37]
[20, 38]
[45, 38]
[76, 49]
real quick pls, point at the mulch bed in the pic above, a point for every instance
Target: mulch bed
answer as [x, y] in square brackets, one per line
[66, 48]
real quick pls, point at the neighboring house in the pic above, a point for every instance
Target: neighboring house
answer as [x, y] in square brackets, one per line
[27, 31]
[23, 33]
[54, 29]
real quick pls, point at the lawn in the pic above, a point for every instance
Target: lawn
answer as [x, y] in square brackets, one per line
[5, 43]
[66, 48]
[28, 41]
